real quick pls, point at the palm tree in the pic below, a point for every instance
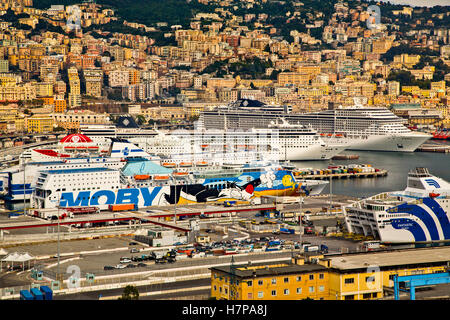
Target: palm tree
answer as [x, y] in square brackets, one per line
[130, 293]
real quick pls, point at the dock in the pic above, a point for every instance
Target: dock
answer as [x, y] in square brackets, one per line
[327, 176]
[345, 157]
[434, 148]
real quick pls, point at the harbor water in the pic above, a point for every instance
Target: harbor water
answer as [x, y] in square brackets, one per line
[398, 164]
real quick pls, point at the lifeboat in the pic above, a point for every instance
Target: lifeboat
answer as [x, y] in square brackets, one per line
[185, 164]
[339, 135]
[180, 174]
[329, 135]
[204, 146]
[322, 134]
[141, 177]
[202, 163]
[434, 195]
[161, 178]
[169, 164]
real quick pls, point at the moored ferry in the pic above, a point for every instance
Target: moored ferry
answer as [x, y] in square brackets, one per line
[418, 214]
[102, 187]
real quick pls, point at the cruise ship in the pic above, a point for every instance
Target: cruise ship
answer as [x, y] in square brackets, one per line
[357, 127]
[280, 141]
[418, 214]
[145, 183]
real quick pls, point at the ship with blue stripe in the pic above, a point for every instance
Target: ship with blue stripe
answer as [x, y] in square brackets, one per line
[418, 214]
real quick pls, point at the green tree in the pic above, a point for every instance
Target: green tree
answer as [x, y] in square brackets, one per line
[130, 293]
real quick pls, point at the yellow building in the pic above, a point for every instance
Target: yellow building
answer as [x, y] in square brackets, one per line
[276, 281]
[363, 276]
[39, 124]
[293, 78]
[407, 59]
[355, 276]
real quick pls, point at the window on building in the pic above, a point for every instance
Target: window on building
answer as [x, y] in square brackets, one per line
[249, 283]
[286, 292]
[299, 290]
[250, 295]
[349, 297]
[366, 296]
[349, 280]
[299, 278]
[321, 276]
[260, 294]
[274, 281]
[321, 288]
[374, 295]
[286, 280]
[260, 282]
[370, 279]
[311, 277]
[311, 289]
[274, 292]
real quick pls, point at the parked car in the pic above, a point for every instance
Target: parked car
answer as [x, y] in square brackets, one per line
[131, 265]
[160, 260]
[125, 260]
[120, 266]
[108, 268]
[134, 250]
[141, 264]
[133, 243]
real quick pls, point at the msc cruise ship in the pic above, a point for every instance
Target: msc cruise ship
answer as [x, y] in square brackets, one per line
[360, 128]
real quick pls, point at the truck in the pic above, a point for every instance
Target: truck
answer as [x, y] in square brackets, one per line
[274, 243]
[311, 248]
[287, 231]
[309, 230]
[122, 207]
[229, 203]
[371, 245]
[73, 211]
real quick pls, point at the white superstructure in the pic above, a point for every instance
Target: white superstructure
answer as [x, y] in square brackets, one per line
[278, 142]
[357, 127]
[420, 213]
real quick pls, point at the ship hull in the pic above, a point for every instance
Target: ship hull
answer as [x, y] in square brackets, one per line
[392, 143]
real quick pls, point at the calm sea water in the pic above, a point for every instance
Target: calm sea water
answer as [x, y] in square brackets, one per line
[398, 165]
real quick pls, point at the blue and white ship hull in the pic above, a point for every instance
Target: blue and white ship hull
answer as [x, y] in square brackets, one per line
[418, 214]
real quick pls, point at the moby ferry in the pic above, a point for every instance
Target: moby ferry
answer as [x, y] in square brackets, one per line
[418, 214]
[145, 183]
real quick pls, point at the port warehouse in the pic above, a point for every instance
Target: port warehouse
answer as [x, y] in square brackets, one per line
[355, 276]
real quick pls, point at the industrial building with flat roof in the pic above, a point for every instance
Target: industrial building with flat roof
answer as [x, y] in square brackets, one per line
[357, 276]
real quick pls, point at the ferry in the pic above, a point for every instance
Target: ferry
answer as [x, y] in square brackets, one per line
[418, 214]
[17, 183]
[101, 187]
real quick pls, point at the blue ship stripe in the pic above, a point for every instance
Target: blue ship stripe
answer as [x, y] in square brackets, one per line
[411, 226]
[19, 186]
[423, 215]
[440, 214]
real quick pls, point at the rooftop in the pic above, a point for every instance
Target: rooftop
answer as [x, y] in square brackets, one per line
[274, 269]
[394, 258]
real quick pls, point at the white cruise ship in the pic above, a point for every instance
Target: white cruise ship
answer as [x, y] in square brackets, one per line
[278, 142]
[420, 213]
[358, 127]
